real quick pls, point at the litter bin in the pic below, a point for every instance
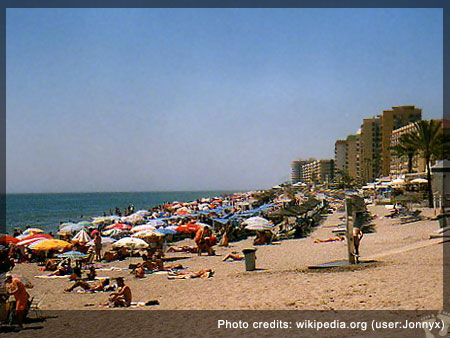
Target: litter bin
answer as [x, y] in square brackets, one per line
[250, 258]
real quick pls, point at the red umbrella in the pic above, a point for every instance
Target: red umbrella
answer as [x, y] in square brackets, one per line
[182, 212]
[93, 233]
[120, 226]
[188, 228]
[7, 239]
[42, 236]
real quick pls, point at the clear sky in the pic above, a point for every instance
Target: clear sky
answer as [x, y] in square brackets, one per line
[194, 99]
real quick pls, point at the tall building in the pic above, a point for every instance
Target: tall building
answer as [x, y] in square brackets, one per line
[393, 119]
[340, 154]
[399, 166]
[346, 156]
[351, 159]
[369, 149]
[297, 170]
[375, 140]
[318, 171]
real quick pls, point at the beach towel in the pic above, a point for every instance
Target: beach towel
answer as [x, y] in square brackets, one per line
[52, 277]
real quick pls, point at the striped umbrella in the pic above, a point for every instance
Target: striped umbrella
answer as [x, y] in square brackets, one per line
[257, 223]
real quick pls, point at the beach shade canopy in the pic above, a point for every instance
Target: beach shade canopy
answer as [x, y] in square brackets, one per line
[72, 254]
[156, 222]
[188, 228]
[32, 231]
[146, 234]
[143, 227]
[7, 240]
[131, 243]
[419, 181]
[86, 224]
[82, 237]
[257, 223]
[165, 231]
[105, 241]
[181, 212]
[27, 242]
[119, 226]
[71, 227]
[50, 244]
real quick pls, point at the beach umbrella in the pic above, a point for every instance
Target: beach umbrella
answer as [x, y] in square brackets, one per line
[29, 241]
[105, 241]
[7, 240]
[62, 225]
[182, 212]
[419, 181]
[142, 228]
[166, 231]
[257, 223]
[146, 234]
[119, 226]
[50, 244]
[71, 228]
[81, 236]
[32, 231]
[38, 236]
[86, 224]
[188, 228]
[72, 254]
[131, 243]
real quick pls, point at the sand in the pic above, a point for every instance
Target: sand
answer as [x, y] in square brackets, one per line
[407, 275]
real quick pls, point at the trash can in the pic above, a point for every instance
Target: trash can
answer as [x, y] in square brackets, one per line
[250, 258]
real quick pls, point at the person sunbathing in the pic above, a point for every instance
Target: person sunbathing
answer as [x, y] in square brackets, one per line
[139, 272]
[184, 248]
[234, 256]
[331, 239]
[122, 297]
[261, 238]
[203, 273]
[50, 265]
[99, 286]
[62, 269]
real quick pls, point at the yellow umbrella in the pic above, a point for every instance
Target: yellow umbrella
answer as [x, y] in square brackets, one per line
[51, 244]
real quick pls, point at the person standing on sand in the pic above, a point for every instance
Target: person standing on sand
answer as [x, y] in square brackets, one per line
[357, 236]
[98, 246]
[17, 288]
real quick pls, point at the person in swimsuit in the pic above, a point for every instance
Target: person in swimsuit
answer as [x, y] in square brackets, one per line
[122, 297]
[17, 288]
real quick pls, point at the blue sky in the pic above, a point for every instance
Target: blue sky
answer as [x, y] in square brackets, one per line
[194, 99]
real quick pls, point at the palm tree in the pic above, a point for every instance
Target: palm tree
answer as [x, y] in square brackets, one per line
[427, 140]
[405, 149]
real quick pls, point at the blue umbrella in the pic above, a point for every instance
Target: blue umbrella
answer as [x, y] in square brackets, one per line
[72, 254]
[165, 231]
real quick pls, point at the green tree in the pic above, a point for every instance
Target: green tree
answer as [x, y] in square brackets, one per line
[426, 138]
[405, 149]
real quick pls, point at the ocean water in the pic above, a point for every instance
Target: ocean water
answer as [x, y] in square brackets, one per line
[46, 211]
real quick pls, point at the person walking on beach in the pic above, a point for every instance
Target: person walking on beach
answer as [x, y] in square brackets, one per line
[17, 288]
[98, 246]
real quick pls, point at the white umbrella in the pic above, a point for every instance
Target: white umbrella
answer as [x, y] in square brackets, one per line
[257, 223]
[130, 242]
[82, 236]
[146, 233]
[143, 227]
[419, 180]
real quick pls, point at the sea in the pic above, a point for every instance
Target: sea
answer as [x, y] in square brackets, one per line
[47, 211]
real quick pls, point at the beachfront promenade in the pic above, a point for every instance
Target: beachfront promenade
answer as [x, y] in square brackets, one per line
[408, 278]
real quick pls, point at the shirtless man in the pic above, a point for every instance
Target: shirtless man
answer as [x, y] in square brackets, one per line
[122, 297]
[17, 288]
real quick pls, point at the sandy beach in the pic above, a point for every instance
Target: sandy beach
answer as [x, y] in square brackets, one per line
[407, 275]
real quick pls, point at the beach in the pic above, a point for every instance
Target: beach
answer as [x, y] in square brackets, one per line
[407, 275]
